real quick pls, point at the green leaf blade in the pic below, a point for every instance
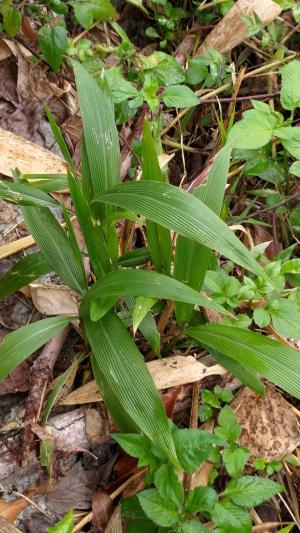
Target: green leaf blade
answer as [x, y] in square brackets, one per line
[25, 271]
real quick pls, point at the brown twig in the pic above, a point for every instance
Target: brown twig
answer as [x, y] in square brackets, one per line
[187, 480]
[41, 371]
[271, 207]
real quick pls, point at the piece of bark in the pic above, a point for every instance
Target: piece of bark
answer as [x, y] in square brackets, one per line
[41, 372]
[232, 31]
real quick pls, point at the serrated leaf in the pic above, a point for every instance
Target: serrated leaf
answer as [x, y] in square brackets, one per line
[235, 460]
[231, 518]
[249, 491]
[160, 511]
[179, 96]
[125, 382]
[266, 357]
[178, 210]
[200, 499]
[19, 344]
[193, 447]
[168, 485]
[290, 91]
[131, 282]
[25, 271]
[53, 43]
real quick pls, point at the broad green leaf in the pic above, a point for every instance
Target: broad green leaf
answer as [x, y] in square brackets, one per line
[295, 169]
[65, 525]
[126, 383]
[25, 271]
[178, 210]
[249, 491]
[168, 485]
[55, 246]
[193, 526]
[191, 258]
[285, 317]
[179, 96]
[231, 518]
[261, 317]
[290, 91]
[83, 14]
[19, 344]
[131, 282]
[140, 309]
[121, 89]
[197, 71]
[159, 510]
[200, 499]
[12, 20]
[17, 193]
[53, 43]
[163, 67]
[263, 355]
[291, 267]
[159, 237]
[256, 127]
[100, 132]
[228, 430]
[290, 139]
[235, 460]
[193, 447]
[57, 389]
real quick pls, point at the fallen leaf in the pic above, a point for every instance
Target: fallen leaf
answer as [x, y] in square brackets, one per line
[6, 527]
[269, 424]
[54, 299]
[74, 490]
[17, 381]
[102, 506]
[169, 372]
[232, 31]
[115, 524]
[11, 510]
[28, 157]
[96, 426]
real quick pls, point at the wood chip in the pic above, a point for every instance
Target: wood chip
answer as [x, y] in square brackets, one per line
[169, 372]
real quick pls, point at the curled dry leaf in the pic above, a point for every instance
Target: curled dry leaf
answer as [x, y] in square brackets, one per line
[54, 299]
[102, 506]
[232, 31]
[269, 425]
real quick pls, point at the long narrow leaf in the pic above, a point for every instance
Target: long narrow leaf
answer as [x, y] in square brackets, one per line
[159, 237]
[21, 343]
[25, 271]
[122, 375]
[55, 246]
[17, 193]
[100, 132]
[178, 210]
[264, 356]
[46, 182]
[191, 258]
[60, 140]
[131, 282]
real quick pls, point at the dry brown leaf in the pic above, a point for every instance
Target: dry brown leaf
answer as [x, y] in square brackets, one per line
[102, 506]
[169, 372]
[11, 510]
[6, 527]
[28, 157]
[54, 299]
[232, 31]
[96, 426]
[269, 425]
[17, 381]
[74, 490]
[115, 524]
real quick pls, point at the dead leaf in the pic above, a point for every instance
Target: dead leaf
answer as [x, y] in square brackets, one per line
[115, 524]
[28, 157]
[74, 490]
[11, 510]
[17, 381]
[96, 426]
[169, 372]
[6, 527]
[54, 299]
[169, 400]
[269, 425]
[261, 235]
[102, 506]
[232, 31]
